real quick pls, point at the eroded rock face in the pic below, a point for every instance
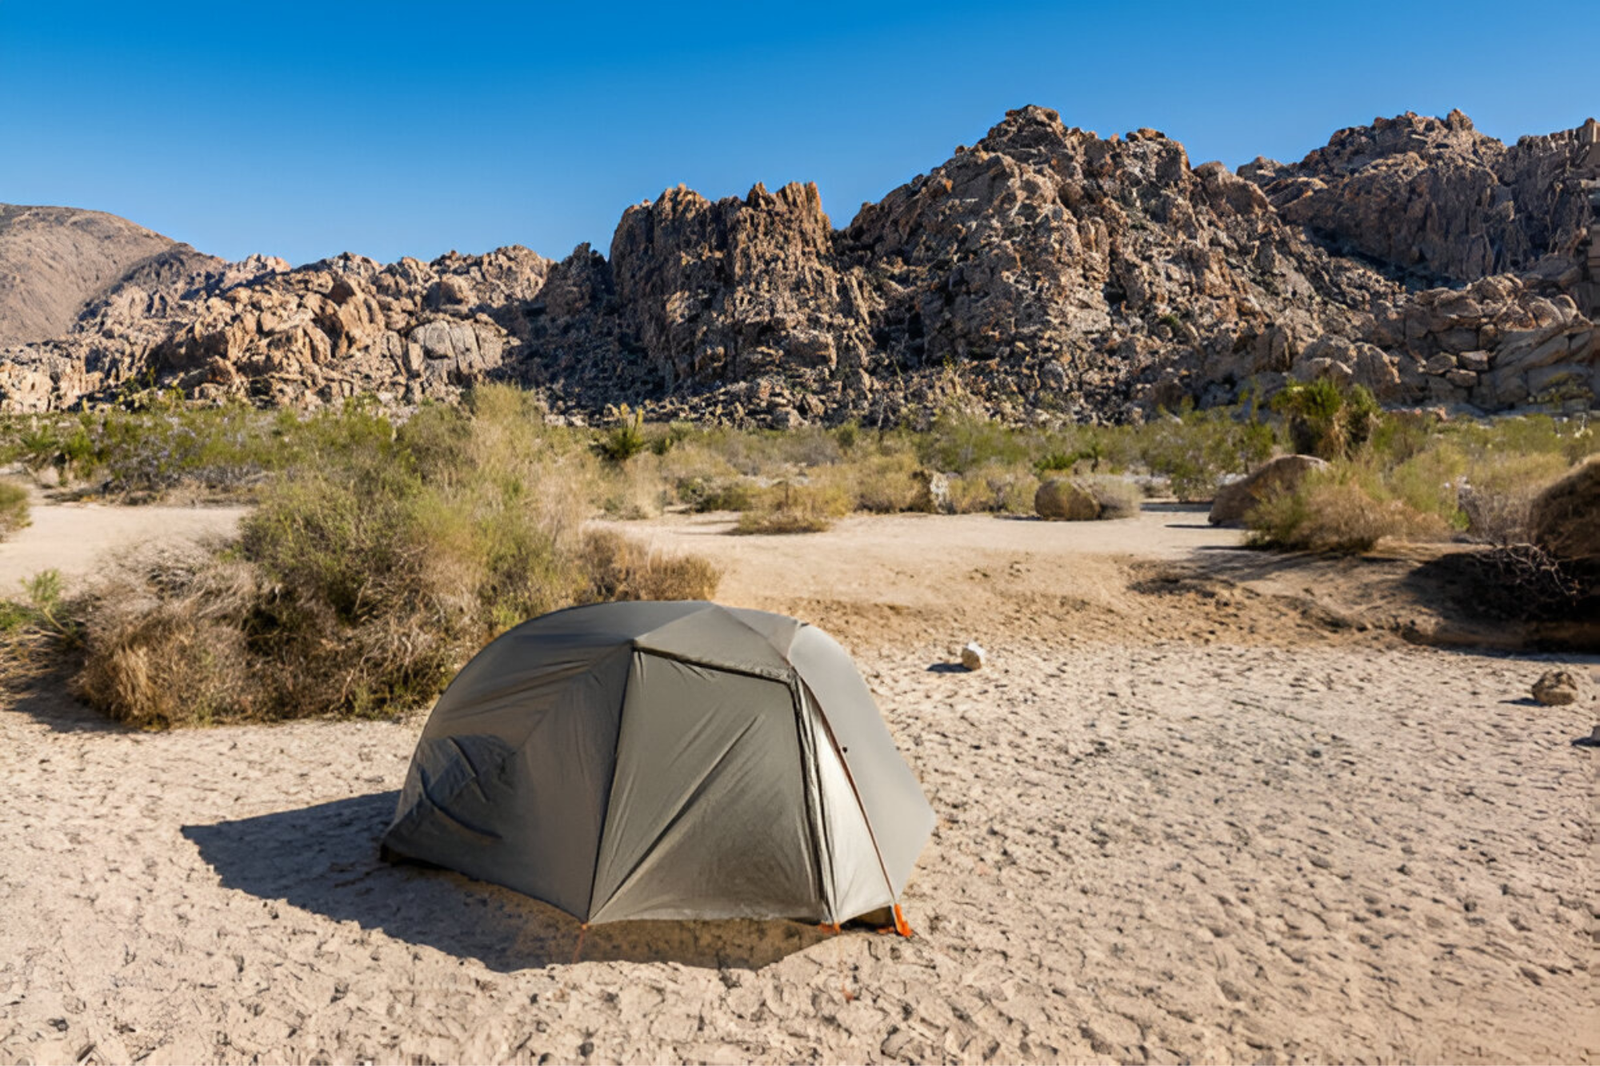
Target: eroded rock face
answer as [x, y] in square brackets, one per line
[1105, 271]
[1044, 274]
[728, 291]
[334, 329]
[1438, 200]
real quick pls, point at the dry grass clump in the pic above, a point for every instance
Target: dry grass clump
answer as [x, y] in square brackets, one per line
[1117, 497]
[883, 481]
[13, 507]
[1336, 513]
[1003, 488]
[1498, 494]
[790, 507]
[623, 569]
[169, 641]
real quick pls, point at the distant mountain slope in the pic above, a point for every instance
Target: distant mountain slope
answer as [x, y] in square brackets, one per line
[54, 260]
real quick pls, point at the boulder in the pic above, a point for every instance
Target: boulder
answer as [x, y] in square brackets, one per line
[1565, 518]
[1236, 499]
[1556, 688]
[1059, 499]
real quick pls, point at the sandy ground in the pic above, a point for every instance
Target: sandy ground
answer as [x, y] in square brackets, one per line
[75, 538]
[1178, 821]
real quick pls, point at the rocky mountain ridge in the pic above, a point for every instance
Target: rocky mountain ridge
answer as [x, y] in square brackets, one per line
[1044, 273]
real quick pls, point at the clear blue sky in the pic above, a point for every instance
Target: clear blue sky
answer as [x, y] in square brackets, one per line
[304, 130]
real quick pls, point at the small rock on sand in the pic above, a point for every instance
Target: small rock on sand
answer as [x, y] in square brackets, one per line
[972, 656]
[1556, 688]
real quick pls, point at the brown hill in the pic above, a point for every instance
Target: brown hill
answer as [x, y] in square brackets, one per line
[54, 260]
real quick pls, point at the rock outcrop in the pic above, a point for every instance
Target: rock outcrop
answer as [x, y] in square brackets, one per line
[1044, 274]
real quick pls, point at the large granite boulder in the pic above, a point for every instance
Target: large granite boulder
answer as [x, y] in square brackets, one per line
[1059, 499]
[1236, 499]
[1565, 518]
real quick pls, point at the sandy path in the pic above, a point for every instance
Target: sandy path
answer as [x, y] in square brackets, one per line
[910, 559]
[75, 538]
[1148, 850]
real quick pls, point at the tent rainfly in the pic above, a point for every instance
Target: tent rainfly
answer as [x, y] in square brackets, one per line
[666, 760]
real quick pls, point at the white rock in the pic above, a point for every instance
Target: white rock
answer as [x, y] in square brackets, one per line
[972, 656]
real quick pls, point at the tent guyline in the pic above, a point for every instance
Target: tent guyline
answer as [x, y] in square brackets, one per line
[667, 760]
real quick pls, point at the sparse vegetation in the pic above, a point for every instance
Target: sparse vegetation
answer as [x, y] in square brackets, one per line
[1338, 511]
[360, 589]
[13, 507]
[382, 553]
[788, 507]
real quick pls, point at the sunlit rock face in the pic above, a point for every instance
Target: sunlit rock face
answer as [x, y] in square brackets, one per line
[1044, 273]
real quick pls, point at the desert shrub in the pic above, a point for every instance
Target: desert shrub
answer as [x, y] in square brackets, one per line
[1496, 492]
[731, 494]
[167, 642]
[1194, 451]
[796, 507]
[995, 487]
[41, 612]
[1337, 511]
[13, 507]
[1326, 419]
[1117, 497]
[622, 569]
[883, 481]
[361, 588]
[145, 453]
[624, 440]
[1428, 481]
[959, 442]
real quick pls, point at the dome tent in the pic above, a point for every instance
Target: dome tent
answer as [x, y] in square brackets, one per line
[666, 760]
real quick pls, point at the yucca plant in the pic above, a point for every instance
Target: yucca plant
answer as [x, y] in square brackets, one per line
[1326, 420]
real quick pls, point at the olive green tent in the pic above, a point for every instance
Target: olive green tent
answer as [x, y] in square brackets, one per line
[666, 760]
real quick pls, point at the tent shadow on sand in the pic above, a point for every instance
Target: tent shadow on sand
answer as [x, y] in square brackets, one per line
[324, 859]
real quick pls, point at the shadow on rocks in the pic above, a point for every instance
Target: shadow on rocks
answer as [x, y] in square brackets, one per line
[324, 859]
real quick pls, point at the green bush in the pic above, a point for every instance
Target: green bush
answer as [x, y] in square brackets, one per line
[1328, 420]
[1195, 450]
[626, 439]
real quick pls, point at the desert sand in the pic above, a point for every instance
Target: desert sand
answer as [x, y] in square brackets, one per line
[1186, 813]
